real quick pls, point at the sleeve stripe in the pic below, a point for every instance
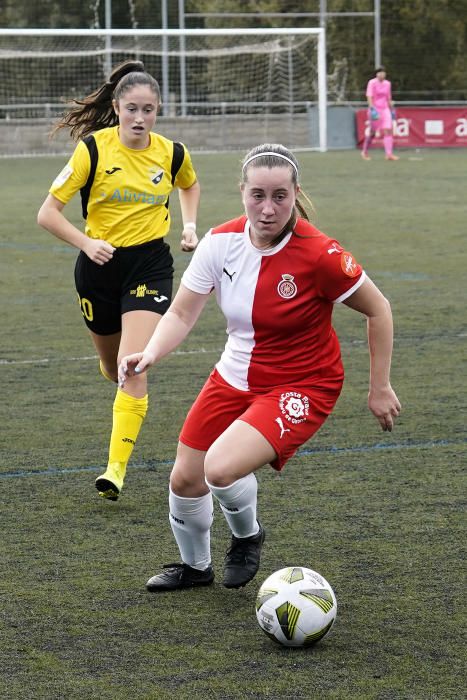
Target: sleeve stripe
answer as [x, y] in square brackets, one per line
[350, 291]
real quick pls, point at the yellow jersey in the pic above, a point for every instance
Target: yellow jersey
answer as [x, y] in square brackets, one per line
[128, 202]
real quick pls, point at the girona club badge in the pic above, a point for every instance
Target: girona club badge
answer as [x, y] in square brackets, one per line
[349, 265]
[287, 288]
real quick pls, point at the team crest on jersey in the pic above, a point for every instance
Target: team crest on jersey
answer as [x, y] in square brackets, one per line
[349, 265]
[294, 406]
[287, 288]
[156, 175]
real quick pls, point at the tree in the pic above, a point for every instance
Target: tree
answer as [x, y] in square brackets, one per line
[424, 42]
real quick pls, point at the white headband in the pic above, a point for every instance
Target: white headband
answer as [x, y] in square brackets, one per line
[270, 153]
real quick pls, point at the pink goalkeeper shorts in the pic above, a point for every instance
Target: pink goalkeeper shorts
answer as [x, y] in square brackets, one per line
[384, 121]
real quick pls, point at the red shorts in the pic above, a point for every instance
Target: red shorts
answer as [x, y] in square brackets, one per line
[286, 416]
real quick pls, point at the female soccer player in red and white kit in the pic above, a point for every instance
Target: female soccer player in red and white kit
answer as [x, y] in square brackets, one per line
[276, 279]
[380, 114]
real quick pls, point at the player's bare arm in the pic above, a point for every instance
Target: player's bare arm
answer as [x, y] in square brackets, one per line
[189, 202]
[50, 217]
[382, 400]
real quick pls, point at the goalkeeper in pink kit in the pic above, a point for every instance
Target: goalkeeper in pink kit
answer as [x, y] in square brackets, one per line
[380, 113]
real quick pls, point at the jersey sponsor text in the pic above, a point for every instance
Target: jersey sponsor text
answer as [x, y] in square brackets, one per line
[138, 197]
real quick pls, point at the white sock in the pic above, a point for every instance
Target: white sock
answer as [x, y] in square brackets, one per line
[191, 520]
[238, 503]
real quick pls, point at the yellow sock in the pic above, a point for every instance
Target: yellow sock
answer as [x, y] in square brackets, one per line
[128, 416]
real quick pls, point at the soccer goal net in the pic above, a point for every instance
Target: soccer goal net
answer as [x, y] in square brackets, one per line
[221, 89]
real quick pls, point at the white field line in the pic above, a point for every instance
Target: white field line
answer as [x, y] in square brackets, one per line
[93, 358]
[198, 351]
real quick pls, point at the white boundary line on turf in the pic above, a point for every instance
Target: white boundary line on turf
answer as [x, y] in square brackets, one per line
[205, 351]
[87, 358]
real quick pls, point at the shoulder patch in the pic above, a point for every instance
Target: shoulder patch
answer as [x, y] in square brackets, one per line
[63, 176]
[349, 265]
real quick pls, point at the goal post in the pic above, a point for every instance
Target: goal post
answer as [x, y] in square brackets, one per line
[222, 89]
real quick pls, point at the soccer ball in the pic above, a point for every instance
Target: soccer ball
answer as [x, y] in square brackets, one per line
[296, 606]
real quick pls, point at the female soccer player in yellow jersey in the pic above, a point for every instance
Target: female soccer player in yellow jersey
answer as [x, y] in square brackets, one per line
[124, 270]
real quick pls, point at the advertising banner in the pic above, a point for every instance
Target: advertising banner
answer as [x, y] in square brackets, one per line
[418, 127]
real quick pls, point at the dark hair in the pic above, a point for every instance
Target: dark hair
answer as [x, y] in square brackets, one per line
[264, 156]
[381, 68]
[96, 111]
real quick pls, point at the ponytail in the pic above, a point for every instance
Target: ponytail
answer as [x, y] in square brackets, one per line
[96, 111]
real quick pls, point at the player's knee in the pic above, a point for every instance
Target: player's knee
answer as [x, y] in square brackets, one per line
[137, 384]
[217, 472]
[178, 483]
[184, 483]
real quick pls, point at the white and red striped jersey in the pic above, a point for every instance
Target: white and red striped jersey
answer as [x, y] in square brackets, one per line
[277, 302]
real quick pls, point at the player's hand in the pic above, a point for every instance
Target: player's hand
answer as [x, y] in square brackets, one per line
[98, 251]
[384, 405]
[374, 114]
[134, 364]
[189, 239]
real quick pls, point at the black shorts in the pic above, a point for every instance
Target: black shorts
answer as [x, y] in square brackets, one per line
[137, 277]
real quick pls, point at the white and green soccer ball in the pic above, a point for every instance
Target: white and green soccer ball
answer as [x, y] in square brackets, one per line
[296, 606]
